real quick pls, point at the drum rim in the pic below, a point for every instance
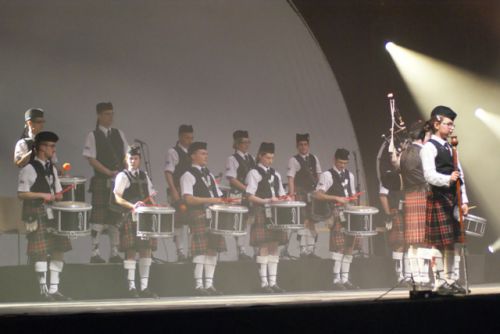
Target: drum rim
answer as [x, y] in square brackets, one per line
[366, 209]
[141, 233]
[58, 206]
[228, 208]
[475, 218]
[288, 204]
[227, 232]
[72, 179]
[155, 209]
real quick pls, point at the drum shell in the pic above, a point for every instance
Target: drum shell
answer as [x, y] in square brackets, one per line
[71, 219]
[360, 221]
[155, 223]
[474, 226]
[77, 194]
[285, 215]
[228, 220]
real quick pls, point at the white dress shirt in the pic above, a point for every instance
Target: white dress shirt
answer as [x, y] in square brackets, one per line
[294, 165]
[232, 164]
[172, 159]
[90, 151]
[122, 182]
[326, 182]
[254, 177]
[27, 177]
[188, 181]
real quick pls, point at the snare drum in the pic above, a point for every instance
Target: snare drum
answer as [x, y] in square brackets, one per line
[474, 225]
[284, 215]
[227, 219]
[155, 221]
[320, 210]
[359, 221]
[77, 193]
[71, 219]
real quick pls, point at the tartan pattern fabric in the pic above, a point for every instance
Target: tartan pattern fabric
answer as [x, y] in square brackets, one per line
[339, 241]
[397, 234]
[100, 202]
[415, 207]
[260, 234]
[441, 228]
[129, 239]
[42, 243]
[202, 239]
[305, 212]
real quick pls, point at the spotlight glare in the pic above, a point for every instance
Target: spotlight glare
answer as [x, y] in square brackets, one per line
[389, 46]
[479, 113]
[494, 247]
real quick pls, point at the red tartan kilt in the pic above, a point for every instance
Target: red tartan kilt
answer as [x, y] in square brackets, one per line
[129, 239]
[42, 243]
[339, 241]
[202, 240]
[441, 228]
[100, 202]
[415, 207]
[396, 235]
[261, 235]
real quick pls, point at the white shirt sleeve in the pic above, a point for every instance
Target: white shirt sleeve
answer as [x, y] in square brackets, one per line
[57, 182]
[20, 149]
[353, 183]
[383, 190]
[27, 177]
[89, 150]
[325, 182]
[121, 183]
[318, 165]
[232, 167]
[151, 188]
[428, 155]
[219, 192]
[252, 181]
[293, 167]
[465, 199]
[281, 189]
[171, 160]
[187, 182]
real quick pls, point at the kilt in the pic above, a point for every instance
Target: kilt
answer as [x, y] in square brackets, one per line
[202, 240]
[260, 234]
[339, 241]
[129, 239]
[305, 212]
[415, 206]
[100, 202]
[441, 228]
[397, 233]
[42, 243]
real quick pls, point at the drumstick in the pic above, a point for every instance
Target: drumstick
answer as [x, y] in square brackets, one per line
[472, 207]
[68, 188]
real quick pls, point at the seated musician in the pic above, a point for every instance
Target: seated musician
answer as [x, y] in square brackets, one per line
[133, 188]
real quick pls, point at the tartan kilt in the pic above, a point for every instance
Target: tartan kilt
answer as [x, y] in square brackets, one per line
[441, 228]
[260, 234]
[202, 239]
[339, 241]
[397, 234]
[100, 202]
[415, 207]
[129, 239]
[305, 212]
[42, 243]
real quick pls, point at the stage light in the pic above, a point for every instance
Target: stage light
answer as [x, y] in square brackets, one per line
[494, 246]
[479, 113]
[389, 46]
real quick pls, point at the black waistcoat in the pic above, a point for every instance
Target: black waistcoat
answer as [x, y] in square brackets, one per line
[109, 151]
[244, 166]
[182, 166]
[31, 206]
[444, 165]
[138, 189]
[337, 189]
[306, 179]
[200, 189]
[264, 186]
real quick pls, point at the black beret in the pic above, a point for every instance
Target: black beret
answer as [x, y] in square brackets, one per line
[238, 134]
[342, 154]
[197, 145]
[266, 148]
[46, 136]
[185, 129]
[33, 113]
[443, 111]
[103, 106]
[134, 150]
[302, 137]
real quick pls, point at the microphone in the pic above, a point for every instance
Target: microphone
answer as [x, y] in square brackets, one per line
[139, 141]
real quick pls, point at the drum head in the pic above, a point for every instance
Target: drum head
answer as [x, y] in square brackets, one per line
[71, 206]
[155, 209]
[361, 210]
[229, 208]
[72, 180]
[474, 218]
[288, 204]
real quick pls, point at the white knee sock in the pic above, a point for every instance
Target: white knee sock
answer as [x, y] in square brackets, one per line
[96, 234]
[337, 266]
[449, 260]
[413, 265]
[56, 268]
[114, 239]
[424, 256]
[144, 267]
[41, 272]
[262, 262]
[209, 266]
[272, 269]
[179, 240]
[346, 264]
[438, 268]
[199, 261]
[398, 263]
[456, 268]
[129, 266]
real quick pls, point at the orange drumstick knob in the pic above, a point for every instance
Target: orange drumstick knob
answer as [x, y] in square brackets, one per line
[66, 166]
[183, 207]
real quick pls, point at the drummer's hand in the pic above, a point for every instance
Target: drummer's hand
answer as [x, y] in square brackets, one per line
[342, 200]
[465, 209]
[47, 197]
[138, 204]
[31, 227]
[58, 197]
[217, 200]
[388, 221]
[274, 199]
[112, 173]
[454, 177]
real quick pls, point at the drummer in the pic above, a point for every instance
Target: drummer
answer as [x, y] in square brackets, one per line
[199, 190]
[337, 185]
[105, 150]
[442, 230]
[303, 173]
[237, 167]
[39, 186]
[133, 188]
[34, 122]
[264, 186]
[176, 163]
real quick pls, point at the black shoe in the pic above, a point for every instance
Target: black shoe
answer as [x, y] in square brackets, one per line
[266, 289]
[337, 286]
[59, 297]
[458, 289]
[349, 286]
[244, 257]
[132, 293]
[201, 292]
[115, 259]
[212, 291]
[445, 290]
[405, 283]
[46, 297]
[277, 289]
[97, 259]
[146, 293]
[181, 258]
